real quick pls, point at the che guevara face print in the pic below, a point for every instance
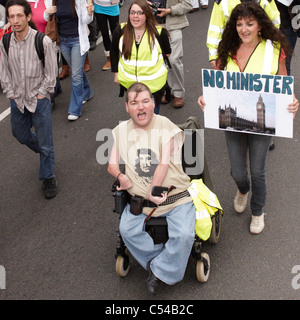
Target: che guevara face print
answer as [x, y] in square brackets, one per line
[145, 165]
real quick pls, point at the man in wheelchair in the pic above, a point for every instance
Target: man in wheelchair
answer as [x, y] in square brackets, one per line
[150, 147]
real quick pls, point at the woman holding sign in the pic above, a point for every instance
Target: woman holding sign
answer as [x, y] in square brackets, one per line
[250, 43]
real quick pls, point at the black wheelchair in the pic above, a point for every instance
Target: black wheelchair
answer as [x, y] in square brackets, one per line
[195, 166]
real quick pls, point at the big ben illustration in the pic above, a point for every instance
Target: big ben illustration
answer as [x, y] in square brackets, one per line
[261, 113]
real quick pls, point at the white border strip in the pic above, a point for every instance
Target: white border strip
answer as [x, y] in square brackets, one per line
[4, 114]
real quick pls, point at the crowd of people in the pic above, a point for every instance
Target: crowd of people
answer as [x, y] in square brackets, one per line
[145, 54]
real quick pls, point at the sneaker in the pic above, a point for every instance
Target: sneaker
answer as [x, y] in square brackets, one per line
[240, 202]
[50, 188]
[72, 117]
[257, 224]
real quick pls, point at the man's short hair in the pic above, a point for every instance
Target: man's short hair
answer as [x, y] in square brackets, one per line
[137, 87]
[23, 3]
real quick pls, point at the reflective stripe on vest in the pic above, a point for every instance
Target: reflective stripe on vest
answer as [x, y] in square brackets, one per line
[206, 204]
[268, 65]
[146, 66]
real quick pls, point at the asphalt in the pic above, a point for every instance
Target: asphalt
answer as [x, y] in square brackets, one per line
[64, 248]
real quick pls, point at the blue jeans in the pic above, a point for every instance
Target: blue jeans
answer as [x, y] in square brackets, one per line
[238, 145]
[169, 261]
[81, 89]
[40, 141]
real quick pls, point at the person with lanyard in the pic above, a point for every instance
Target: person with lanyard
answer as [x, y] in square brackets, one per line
[107, 12]
[138, 50]
[73, 16]
[245, 47]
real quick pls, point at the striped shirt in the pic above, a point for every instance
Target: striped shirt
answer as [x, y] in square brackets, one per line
[22, 74]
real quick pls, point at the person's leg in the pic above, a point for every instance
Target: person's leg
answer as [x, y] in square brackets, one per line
[195, 4]
[170, 264]
[113, 22]
[81, 90]
[204, 4]
[136, 239]
[42, 124]
[258, 151]
[176, 73]
[237, 145]
[102, 21]
[157, 99]
[287, 30]
[21, 124]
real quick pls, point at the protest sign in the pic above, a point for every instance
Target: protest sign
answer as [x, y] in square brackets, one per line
[246, 102]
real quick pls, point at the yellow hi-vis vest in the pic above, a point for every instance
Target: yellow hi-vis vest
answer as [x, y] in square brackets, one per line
[146, 64]
[206, 204]
[264, 60]
[221, 13]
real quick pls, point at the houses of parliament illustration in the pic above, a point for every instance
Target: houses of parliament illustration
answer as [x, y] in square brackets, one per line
[228, 118]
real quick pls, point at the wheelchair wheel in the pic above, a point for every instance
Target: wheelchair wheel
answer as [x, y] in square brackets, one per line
[216, 228]
[122, 266]
[203, 268]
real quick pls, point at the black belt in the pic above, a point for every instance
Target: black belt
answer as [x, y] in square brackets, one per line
[169, 200]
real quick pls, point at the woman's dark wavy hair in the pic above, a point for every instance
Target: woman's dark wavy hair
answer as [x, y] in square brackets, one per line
[231, 41]
[129, 30]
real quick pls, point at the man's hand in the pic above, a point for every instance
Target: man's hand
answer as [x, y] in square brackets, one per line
[125, 182]
[51, 10]
[158, 200]
[163, 12]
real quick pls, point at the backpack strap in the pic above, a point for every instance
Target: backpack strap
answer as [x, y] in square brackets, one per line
[39, 47]
[6, 41]
[38, 43]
